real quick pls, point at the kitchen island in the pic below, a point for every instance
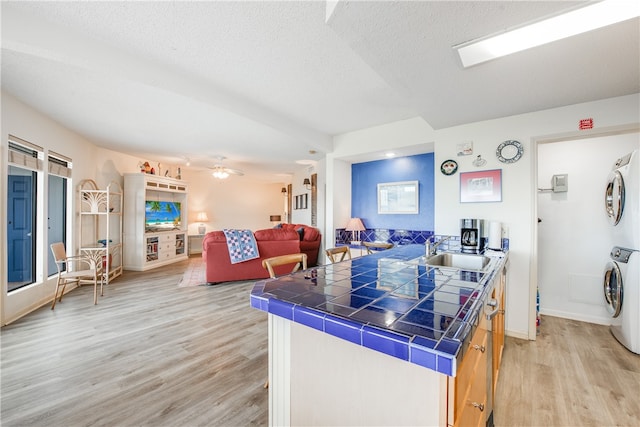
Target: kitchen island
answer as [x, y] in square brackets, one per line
[379, 340]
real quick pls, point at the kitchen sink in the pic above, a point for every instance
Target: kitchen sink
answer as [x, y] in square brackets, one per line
[461, 261]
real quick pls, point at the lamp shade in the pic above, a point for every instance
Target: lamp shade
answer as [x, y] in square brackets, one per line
[355, 224]
[275, 218]
[202, 217]
[284, 190]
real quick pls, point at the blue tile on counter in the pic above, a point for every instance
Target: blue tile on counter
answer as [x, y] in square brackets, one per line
[309, 317]
[310, 299]
[337, 309]
[345, 329]
[429, 304]
[282, 294]
[258, 287]
[331, 290]
[298, 287]
[421, 353]
[446, 365]
[418, 331]
[470, 276]
[448, 346]
[400, 305]
[369, 292]
[347, 283]
[281, 308]
[395, 345]
[426, 288]
[387, 284]
[376, 316]
[363, 263]
[259, 302]
[365, 278]
[353, 301]
[421, 318]
[319, 281]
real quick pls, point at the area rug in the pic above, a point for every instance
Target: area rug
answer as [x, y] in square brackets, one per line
[194, 274]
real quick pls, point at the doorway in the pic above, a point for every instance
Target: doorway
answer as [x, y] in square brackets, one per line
[573, 235]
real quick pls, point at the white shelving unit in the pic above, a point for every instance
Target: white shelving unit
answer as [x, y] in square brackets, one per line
[101, 225]
[148, 247]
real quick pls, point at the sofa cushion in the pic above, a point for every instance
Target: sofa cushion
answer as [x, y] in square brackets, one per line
[311, 234]
[216, 236]
[275, 234]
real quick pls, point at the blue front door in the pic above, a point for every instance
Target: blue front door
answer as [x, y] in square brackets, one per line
[20, 208]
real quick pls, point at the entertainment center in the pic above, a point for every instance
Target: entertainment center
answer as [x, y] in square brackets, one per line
[155, 225]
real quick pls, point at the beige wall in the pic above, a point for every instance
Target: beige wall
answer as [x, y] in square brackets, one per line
[235, 202]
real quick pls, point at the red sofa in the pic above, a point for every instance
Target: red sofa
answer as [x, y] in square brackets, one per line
[271, 242]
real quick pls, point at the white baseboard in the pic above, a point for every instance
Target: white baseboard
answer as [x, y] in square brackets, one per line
[517, 334]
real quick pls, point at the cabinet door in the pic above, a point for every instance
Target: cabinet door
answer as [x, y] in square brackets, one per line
[471, 381]
[474, 403]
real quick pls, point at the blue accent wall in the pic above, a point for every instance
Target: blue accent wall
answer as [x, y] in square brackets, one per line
[365, 178]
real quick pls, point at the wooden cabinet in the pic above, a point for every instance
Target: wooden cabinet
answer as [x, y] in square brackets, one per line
[154, 242]
[470, 392]
[497, 327]
[101, 225]
[473, 389]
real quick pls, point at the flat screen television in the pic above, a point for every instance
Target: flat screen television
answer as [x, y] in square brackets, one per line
[161, 216]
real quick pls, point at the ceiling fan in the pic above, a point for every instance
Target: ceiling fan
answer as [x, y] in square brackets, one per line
[222, 172]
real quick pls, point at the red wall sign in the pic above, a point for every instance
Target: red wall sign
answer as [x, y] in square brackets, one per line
[586, 124]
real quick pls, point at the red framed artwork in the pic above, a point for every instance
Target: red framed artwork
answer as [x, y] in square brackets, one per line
[481, 186]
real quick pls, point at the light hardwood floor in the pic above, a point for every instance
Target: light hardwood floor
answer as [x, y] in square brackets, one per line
[574, 374]
[153, 354]
[149, 354]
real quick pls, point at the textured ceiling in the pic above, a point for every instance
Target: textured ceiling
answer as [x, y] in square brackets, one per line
[263, 83]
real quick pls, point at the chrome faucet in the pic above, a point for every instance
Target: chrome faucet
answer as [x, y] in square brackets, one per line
[431, 248]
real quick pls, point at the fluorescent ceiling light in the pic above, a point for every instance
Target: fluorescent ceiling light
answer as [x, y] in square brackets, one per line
[569, 24]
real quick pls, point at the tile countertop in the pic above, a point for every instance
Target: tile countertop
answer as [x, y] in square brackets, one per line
[390, 301]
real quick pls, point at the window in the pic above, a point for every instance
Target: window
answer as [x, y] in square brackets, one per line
[59, 170]
[31, 225]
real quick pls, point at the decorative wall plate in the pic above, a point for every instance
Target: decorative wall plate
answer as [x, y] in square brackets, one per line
[449, 167]
[509, 151]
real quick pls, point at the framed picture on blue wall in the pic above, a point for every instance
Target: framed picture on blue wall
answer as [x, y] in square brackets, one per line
[398, 197]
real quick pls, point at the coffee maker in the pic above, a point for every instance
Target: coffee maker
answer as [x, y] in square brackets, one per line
[471, 235]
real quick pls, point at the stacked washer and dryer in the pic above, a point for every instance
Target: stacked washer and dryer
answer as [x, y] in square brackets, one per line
[622, 272]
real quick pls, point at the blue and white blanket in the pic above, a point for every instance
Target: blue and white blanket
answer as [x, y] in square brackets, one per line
[241, 244]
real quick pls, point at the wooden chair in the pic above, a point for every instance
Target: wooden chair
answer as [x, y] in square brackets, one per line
[79, 269]
[372, 246]
[297, 259]
[270, 263]
[333, 253]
